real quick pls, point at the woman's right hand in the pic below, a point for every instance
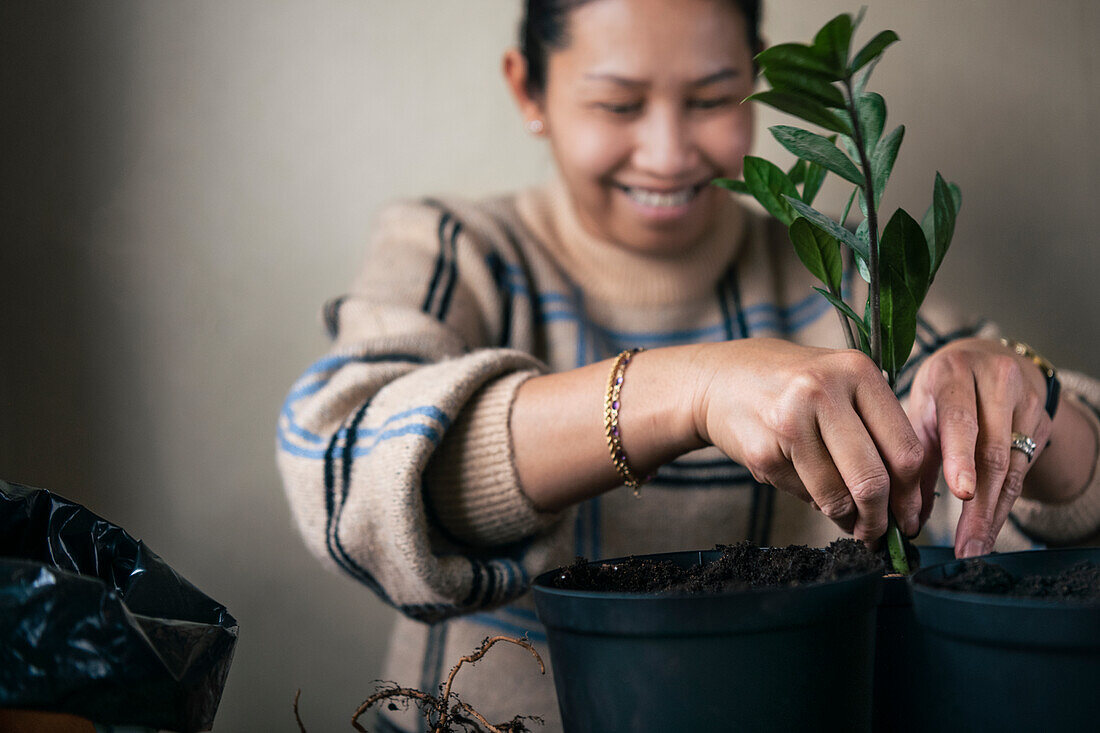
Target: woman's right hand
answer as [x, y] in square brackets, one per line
[820, 424]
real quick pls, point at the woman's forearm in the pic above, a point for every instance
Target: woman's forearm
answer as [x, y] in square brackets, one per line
[557, 425]
[1065, 466]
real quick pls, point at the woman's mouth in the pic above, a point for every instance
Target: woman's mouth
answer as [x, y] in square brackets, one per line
[662, 204]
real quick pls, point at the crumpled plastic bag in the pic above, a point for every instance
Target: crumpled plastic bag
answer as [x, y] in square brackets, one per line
[95, 624]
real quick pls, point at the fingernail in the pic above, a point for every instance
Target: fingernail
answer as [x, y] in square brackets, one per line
[973, 548]
[966, 485]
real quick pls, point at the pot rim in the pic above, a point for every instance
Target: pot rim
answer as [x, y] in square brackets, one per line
[539, 582]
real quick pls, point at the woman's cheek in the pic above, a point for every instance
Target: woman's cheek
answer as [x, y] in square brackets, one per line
[596, 148]
[731, 141]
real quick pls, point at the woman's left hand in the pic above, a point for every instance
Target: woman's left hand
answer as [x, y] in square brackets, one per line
[967, 400]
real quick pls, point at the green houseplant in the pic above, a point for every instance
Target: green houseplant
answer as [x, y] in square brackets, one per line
[700, 650]
[824, 84]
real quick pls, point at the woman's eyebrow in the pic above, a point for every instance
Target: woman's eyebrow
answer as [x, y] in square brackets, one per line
[721, 75]
[717, 76]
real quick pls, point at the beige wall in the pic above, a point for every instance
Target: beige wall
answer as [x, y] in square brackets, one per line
[184, 183]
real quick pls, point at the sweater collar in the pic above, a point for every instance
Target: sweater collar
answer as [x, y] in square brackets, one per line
[607, 270]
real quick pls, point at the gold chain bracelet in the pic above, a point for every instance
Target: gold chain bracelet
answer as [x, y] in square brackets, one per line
[611, 420]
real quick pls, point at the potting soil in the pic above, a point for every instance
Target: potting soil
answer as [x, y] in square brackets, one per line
[740, 567]
[1078, 583]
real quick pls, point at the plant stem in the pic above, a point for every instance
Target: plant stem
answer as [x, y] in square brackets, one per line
[894, 540]
[845, 326]
[896, 545]
[875, 325]
[848, 206]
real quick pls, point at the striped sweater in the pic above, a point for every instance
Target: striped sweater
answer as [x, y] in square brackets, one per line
[395, 451]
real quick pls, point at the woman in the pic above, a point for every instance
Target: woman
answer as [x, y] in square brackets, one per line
[454, 443]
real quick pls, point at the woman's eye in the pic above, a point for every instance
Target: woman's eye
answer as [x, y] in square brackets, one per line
[621, 109]
[712, 103]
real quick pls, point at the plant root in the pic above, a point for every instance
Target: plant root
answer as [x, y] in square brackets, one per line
[446, 711]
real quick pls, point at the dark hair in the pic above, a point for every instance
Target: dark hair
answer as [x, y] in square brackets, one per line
[544, 25]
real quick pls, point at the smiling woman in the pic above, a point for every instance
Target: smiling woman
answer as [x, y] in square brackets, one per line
[643, 109]
[455, 440]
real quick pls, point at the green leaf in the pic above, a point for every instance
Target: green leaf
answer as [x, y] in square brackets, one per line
[819, 252]
[872, 50]
[834, 39]
[797, 173]
[846, 309]
[871, 108]
[899, 321]
[803, 108]
[770, 186]
[864, 269]
[864, 238]
[859, 18]
[943, 207]
[816, 149]
[798, 57]
[815, 176]
[904, 249]
[815, 85]
[829, 226]
[882, 160]
[731, 184]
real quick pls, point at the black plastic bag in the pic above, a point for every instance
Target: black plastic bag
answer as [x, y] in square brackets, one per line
[95, 624]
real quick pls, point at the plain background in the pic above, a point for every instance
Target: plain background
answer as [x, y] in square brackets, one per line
[184, 183]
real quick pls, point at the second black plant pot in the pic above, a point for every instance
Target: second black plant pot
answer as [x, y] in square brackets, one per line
[774, 659]
[1008, 663]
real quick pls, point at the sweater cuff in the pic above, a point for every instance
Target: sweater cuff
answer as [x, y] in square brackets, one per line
[471, 484]
[1071, 522]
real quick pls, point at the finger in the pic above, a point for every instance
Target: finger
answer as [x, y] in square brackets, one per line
[854, 459]
[1020, 464]
[786, 479]
[819, 475]
[922, 416]
[897, 447]
[957, 430]
[993, 459]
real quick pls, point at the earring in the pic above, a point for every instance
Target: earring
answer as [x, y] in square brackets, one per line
[535, 126]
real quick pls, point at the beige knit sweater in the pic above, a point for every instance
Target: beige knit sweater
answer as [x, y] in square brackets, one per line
[395, 452]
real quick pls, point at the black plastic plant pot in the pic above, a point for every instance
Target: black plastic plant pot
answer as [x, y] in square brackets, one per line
[757, 660]
[901, 668]
[1008, 663]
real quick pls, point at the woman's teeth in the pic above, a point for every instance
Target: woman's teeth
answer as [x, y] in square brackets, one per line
[656, 199]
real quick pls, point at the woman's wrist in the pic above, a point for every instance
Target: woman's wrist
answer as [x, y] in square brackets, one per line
[1066, 466]
[558, 428]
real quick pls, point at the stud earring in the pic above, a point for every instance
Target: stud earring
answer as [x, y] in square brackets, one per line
[535, 126]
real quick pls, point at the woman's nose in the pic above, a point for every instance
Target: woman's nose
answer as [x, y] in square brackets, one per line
[663, 145]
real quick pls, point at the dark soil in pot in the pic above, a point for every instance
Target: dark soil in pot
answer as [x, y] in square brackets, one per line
[1078, 583]
[737, 567]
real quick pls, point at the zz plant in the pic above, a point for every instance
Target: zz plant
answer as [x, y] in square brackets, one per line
[821, 83]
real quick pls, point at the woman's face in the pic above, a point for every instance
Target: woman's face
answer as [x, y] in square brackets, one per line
[643, 109]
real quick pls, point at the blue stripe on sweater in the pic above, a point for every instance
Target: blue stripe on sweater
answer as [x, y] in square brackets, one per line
[358, 452]
[430, 411]
[763, 316]
[535, 634]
